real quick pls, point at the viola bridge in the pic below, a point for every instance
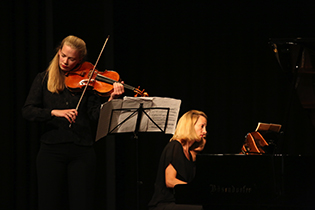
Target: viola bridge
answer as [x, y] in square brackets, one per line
[84, 82]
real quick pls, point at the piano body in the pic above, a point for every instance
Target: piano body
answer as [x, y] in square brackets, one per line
[251, 182]
[263, 181]
[268, 181]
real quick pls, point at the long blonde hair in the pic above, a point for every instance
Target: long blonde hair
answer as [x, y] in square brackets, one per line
[185, 129]
[56, 77]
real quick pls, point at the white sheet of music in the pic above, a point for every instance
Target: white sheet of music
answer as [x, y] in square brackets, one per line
[117, 111]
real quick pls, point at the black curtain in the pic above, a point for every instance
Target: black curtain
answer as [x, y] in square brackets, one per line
[25, 39]
[214, 56]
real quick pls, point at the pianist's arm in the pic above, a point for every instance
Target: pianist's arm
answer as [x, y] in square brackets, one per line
[170, 177]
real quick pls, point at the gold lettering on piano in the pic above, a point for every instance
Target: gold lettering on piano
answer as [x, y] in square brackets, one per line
[229, 189]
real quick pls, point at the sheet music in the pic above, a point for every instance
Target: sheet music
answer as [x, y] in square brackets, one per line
[158, 115]
[132, 104]
[127, 107]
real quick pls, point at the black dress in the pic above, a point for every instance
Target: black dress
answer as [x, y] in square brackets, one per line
[66, 161]
[163, 197]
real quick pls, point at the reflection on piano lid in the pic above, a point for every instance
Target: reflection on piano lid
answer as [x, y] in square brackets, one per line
[240, 180]
[292, 41]
[296, 56]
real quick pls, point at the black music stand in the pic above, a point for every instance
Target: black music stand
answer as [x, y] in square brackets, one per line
[114, 124]
[138, 111]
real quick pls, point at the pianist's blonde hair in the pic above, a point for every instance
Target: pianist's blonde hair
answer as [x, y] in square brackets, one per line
[185, 129]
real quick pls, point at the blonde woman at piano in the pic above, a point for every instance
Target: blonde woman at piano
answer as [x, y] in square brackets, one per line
[177, 162]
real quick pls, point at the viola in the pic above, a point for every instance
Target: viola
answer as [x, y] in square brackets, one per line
[101, 82]
[86, 76]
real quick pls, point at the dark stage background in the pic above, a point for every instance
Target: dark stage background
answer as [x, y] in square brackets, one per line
[213, 55]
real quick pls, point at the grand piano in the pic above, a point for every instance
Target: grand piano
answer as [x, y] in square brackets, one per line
[268, 181]
[236, 181]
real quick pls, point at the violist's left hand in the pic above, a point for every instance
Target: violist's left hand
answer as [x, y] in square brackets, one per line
[117, 91]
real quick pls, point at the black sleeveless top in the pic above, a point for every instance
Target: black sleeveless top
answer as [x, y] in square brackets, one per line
[172, 154]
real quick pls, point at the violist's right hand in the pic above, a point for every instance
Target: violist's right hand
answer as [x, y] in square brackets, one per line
[69, 114]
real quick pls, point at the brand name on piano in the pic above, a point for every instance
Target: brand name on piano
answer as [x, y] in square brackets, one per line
[229, 189]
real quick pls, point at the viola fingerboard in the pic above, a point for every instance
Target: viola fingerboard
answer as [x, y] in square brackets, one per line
[102, 78]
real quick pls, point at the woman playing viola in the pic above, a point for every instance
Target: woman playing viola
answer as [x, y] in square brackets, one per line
[66, 159]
